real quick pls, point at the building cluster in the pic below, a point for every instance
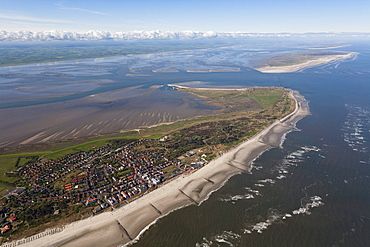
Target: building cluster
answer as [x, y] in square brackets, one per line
[100, 178]
[7, 220]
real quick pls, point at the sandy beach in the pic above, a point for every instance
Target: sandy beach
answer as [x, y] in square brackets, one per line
[305, 65]
[124, 224]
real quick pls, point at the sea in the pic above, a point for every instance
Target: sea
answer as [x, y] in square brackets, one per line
[314, 191]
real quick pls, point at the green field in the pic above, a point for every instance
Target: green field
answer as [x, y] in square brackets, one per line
[265, 97]
[7, 165]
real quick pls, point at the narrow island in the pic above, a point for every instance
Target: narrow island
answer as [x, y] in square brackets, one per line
[299, 61]
[117, 187]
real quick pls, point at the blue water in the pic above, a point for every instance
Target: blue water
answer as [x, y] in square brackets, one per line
[312, 192]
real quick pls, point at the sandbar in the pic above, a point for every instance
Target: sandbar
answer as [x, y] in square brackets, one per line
[305, 65]
[126, 223]
[165, 70]
[213, 70]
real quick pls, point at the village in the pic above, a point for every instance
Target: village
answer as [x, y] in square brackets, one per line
[105, 177]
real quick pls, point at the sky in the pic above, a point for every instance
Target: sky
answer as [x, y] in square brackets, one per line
[254, 16]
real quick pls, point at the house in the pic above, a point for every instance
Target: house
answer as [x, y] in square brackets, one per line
[6, 228]
[91, 201]
[13, 218]
[155, 181]
[165, 138]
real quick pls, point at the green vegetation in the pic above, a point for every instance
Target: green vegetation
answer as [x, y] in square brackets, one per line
[266, 97]
[124, 173]
[81, 147]
[59, 153]
[87, 146]
[24, 160]
[7, 165]
[10, 163]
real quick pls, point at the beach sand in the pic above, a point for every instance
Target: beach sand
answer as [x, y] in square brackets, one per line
[129, 221]
[305, 65]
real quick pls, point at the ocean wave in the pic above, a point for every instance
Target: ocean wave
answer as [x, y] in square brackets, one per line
[293, 159]
[205, 243]
[250, 195]
[226, 237]
[315, 201]
[237, 198]
[256, 192]
[259, 185]
[283, 137]
[355, 127]
[256, 167]
[273, 216]
[268, 180]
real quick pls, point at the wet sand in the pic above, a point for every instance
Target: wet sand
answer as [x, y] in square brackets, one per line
[127, 222]
[97, 114]
[305, 65]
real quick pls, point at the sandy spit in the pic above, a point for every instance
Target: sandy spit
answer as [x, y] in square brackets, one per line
[127, 222]
[305, 65]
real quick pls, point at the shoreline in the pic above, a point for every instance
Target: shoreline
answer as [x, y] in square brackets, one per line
[209, 88]
[305, 65]
[129, 221]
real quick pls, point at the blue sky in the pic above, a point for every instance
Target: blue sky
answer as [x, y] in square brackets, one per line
[197, 15]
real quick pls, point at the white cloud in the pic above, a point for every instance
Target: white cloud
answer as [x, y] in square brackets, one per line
[155, 34]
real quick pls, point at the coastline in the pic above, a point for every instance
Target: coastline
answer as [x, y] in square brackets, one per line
[305, 65]
[129, 221]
